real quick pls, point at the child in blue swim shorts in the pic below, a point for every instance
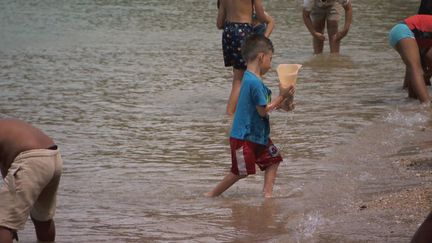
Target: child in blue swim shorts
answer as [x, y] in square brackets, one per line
[398, 32]
[235, 18]
[232, 38]
[412, 39]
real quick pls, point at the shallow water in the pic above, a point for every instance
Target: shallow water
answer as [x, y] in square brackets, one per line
[134, 93]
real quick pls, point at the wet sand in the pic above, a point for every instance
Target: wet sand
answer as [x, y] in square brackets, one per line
[415, 201]
[392, 194]
[410, 205]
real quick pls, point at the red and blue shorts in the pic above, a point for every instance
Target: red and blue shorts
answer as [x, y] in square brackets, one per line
[245, 155]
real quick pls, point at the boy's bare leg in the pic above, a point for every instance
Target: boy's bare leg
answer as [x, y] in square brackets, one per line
[45, 231]
[318, 44]
[269, 180]
[332, 30]
[235, 91]
[6, 235]
[226, 183]
[409, 52]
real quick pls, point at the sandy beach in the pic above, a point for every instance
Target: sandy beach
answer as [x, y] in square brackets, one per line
[410, 205]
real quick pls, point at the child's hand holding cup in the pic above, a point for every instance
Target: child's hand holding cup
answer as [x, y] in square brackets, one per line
[287, 74]
[288, 95]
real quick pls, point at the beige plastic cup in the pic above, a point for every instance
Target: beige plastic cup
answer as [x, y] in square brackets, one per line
[287, 74]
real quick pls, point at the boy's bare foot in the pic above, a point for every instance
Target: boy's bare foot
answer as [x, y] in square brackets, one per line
[208, 194]
[268, 194]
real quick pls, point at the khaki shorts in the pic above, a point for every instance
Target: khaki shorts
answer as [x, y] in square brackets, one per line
[30, 187]
[326, 13]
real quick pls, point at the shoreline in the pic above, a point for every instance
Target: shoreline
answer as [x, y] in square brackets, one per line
[392, 186]
[408, 206]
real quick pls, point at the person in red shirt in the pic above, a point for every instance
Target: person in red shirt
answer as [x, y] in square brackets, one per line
[412, 39]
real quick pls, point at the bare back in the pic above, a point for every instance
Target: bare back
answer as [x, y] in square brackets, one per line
[17, 136]
[240, 11]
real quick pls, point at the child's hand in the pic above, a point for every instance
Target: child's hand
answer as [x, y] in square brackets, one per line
[319, 36]
[339, 35]
[287, 92]
[288, 105]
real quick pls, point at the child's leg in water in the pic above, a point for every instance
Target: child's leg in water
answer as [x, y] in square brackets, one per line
[409, 52]
[226, 183]
[427, 67]
[318, 44]
[332, 30]
[269, 180]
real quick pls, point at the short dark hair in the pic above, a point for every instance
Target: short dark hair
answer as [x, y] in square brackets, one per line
[254, 44]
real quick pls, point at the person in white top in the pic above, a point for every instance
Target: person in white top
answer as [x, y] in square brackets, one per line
[318, 13]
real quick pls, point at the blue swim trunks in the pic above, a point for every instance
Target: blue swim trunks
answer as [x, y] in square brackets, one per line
[232, 38]
[398, 32]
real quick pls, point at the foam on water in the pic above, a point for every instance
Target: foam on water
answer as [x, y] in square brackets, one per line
[408, 118]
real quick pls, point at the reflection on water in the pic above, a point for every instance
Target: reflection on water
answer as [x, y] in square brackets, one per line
[134, 93]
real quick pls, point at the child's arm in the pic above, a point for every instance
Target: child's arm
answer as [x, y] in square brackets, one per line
[259, 11]
[348, 20]
[308, 23]
[270, 25]
[221, 15]
[426, 59]
[276, 103]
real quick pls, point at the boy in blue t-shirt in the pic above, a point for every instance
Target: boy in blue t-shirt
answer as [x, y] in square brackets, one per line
[249, 139]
